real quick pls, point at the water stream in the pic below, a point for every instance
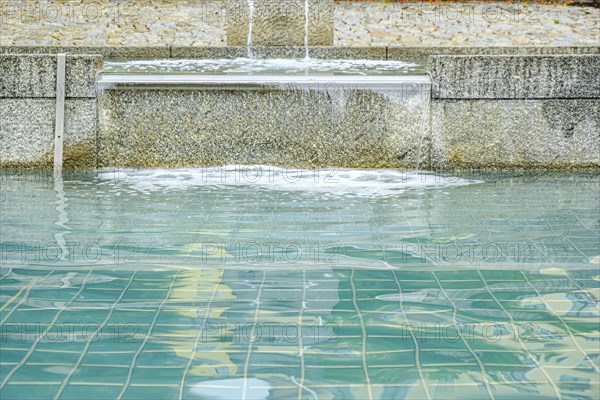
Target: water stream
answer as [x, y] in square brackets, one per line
[424, 120]
[306, 16]
[250, 26]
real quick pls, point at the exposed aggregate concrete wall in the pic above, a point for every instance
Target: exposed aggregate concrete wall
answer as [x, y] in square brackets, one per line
[485, 111]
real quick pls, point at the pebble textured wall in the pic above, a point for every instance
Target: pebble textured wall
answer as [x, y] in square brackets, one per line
[515, 111]
[304, 128]
[27, 107]
[197, 23]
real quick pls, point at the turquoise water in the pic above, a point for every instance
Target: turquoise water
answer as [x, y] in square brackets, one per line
[287, 67]
[258, 283]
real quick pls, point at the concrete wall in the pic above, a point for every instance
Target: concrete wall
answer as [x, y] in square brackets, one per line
[515, 111]
[485, 111]
[28, 110]
[330, 52]
[283, 126]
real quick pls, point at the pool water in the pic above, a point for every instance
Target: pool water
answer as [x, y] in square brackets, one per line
[265, 283]
[273, 66]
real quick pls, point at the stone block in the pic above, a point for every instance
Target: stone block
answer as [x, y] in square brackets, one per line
[27, 132]
[515, 77]
[508, 133]
[34, 76]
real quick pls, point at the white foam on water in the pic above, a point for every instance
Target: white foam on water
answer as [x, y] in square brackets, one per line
[255, 389]
[414, 297]
[354, 182]
[250, 66]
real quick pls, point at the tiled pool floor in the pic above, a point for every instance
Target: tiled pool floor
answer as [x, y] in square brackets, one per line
[151, 285]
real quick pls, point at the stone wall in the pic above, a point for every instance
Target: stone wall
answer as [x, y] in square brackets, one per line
[464, 23]
[28, 110]
[515, 111]
[113, 22]
[200, 23]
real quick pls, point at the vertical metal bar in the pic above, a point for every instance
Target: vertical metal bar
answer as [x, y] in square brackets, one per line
[59, 127]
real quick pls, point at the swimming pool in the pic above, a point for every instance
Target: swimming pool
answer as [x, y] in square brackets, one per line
[261, 282]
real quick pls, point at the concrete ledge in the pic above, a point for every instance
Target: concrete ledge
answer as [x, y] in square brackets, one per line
[403, 53]
[374, 52]
[508, 133]
[402, 84]
[106, 51]
[325, 52]
[209, 52]
[369, 53]
[515, 77]
[34, 76]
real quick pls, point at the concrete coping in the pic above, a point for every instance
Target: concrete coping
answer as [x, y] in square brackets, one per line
[332, 52]
[281, 82]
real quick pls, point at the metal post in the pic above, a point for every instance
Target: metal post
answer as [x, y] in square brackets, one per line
[59, 127]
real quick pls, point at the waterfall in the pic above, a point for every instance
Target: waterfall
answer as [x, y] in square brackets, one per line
[306, 17]
[424, 119]
[250, 26]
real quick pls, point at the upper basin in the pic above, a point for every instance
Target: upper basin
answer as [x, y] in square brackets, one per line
[261, 67]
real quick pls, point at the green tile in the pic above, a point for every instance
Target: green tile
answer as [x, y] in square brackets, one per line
[33, 392]
[91, 392]
[108, 375]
